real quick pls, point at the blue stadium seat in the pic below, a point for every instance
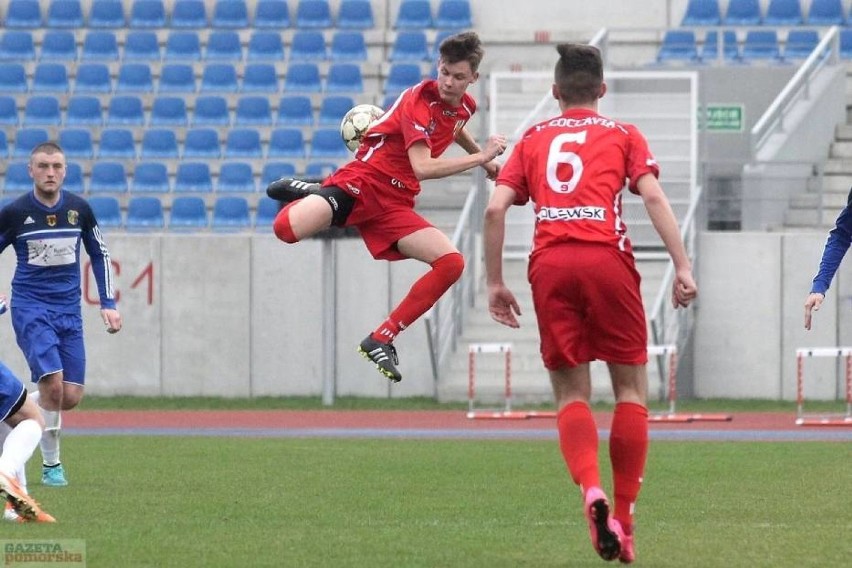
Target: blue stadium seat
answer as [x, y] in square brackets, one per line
[84, 110]
[177, 78]
[117, 143]
[134, 78]
[710, 48]
[17, 45]
[189, 14]
[231, 212]
[65, 14]
[77, 143]
[355, 14]
[761, 45]
[73, 177]
[259, 78]
[439, 37]
[193, 177]
[59, 45]
[409, 46]
[92, 78]
[265, 213]
[678, 45]
[8, 111]
[219, 78]
[313, 14]
[743, 13]
[124, 110]
[265, 46]
[272, 14]
[826, 13]
[17, 177]
[348, 46]
[322, 169]
[344, 78]
[414, 15]
[23, 14]
[13, 78]
[182, 45]
[99, 45]
[846, 43]
[401, 76]
[202, 143]
[223, 45]
[188, 212]
[50, 77]
[211, 110]
[107, 210]
[42, 110]
[236, 177]
[286, 143]
[107, 14]
[388, 100]
[159, 143]
[308, 45]
[332, 109]
[150, 177]
[303, 77]
[783, 13]
[4, 145]
[276, 170]
[230, 14]
[453, 14]
[243, 143]
[295, 110]
[800, 44]
[168, 111]
[253, 110]
[108, 177]
[144, 212]
[141, 46]
[150, 14]
[26, 139]
[327, 143]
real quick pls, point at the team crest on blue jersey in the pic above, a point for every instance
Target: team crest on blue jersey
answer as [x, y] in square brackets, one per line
[51, 220]
[73, 216]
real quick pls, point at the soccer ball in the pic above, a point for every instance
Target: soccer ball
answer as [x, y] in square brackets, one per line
[356, 122]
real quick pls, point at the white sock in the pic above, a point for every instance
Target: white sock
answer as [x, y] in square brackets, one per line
[19, 446]
[50, 438]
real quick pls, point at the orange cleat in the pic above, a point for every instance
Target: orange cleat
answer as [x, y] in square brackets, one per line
[24, 505]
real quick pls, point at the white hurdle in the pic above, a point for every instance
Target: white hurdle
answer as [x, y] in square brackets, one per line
[803, 419]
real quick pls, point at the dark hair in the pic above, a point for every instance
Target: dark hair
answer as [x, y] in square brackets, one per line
[464, 46]
[47, 148]
[579, 73]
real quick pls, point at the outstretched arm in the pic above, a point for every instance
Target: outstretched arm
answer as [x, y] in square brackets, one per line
[468, 143]
[502, 304]
[427, 167]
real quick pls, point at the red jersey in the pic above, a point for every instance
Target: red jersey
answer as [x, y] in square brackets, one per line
[573, 168]
[417, 114]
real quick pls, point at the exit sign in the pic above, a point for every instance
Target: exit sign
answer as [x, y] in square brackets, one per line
[725, 118]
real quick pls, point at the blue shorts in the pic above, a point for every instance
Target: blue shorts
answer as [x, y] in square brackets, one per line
[51, 342]
[12, 393]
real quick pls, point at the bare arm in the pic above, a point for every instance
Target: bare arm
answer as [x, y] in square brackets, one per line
[427, 167]
[501, 302]
[665, 223]
[469, 145]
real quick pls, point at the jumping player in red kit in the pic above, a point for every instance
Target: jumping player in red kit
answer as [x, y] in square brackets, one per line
[584, 281]
[375, 192]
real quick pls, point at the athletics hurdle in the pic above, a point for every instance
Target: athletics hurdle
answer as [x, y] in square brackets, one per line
[825, 420]
[671, 415]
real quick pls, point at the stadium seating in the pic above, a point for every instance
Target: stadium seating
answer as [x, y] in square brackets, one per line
[144, 212]
[355, 14]
[84, 110]
[845, 41]
[42, 110]
[73, 177]
[17, 177]
[134, 78]
[265, 46]
[253, 111]
[453, 14]
[414, 15]
[313, 14]
[125, 110]
[189, 14]
[276, 170]
[108, 177]
[150, 177]
[409, 46]
[327, 143]
[678, 45]
[730, 48]
[826, 13]
[761, 45]
[272, 14]
[107, 211]
[117, 143]
[58, 45]
[332, 109]
[50, 77]
[211, 110]
[308, 45]
[202, 143]
[150, 14]
[743, 13]
[99, 45]
[259, 78]
[800, 44]
[64, 14]
[92, 78]
[230, 14]
[401, 76]
[295, 110]
[348, 46]
[235, 177]
[188, 212]
[8, 111]
[168, 111]
[182, 45]
[783, 13]
[265, 213]
[322, 169]
[17, 45]
[303, 78]
[219, 78]
[230, 213]
[141, 46]
[24, 14]
[193, 177]
[26, 139]
[177, 78]
[286, 143]
[159, 143]
[223, 45]
[13, 78]
[107, 15]
[4, 145]
[702, 13]
[77, 143]
[243, 143]
[344, 78]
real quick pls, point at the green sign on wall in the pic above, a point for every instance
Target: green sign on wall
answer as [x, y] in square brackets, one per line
[725, 118]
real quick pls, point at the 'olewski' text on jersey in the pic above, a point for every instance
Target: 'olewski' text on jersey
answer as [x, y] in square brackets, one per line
[573, 168]
[47, 244]
[417, 114]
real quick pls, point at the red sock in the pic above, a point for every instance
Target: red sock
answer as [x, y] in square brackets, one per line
[422, 296]
[578, 440]
[281, 225]
[628, 450]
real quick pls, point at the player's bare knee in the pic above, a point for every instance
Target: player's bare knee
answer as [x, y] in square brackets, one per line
[452, 265]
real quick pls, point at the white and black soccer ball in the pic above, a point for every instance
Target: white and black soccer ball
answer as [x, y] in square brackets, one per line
[356, 122]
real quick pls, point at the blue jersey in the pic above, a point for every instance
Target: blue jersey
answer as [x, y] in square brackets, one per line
[835, 248]
[47, 243]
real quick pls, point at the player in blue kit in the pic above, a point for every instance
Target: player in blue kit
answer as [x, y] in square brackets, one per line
[46, 227]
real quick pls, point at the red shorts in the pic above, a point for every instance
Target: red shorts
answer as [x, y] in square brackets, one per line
[383, 213]
[588, 305]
